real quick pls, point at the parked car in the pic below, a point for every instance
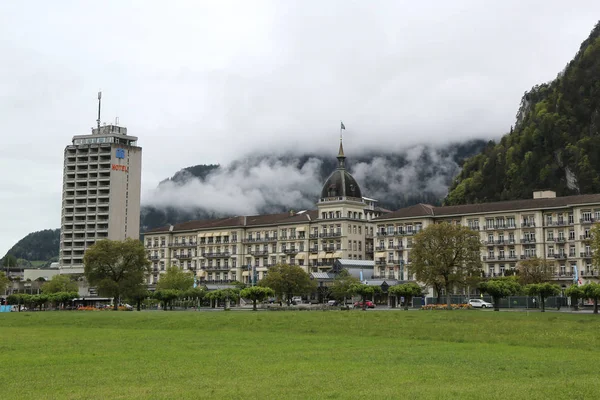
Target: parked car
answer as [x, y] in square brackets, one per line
[296, 300]
[478, 303]
[333, 303]
[368, 304]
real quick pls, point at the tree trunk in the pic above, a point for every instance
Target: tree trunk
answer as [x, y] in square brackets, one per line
[139, 305]
[254, 305]
[496, 303]
[595, 305]
[115, 305]
[543, 301]
[448, 303]
[574, 303]
[406, 301]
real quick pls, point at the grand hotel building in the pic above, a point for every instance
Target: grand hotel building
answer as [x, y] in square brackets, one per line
[347, 225]
[244, 247]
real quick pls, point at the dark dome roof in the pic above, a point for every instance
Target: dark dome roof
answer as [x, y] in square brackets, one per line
[341, 184]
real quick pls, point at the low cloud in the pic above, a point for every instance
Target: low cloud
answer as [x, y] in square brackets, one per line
[265, 184]
[246, 187]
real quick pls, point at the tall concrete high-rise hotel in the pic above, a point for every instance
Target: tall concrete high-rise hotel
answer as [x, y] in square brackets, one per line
[101, 192]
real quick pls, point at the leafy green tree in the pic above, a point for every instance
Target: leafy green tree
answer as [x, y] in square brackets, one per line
[224, 295]
[176, 278]
[288, 281]
[138, 294]
[340, 289]
[59, 283]
[9, 261]
[595, 242]
[167, 296]
[534, 270]
[575, 292]
[17, 299]
[59, 299]
[499, 288]
[4, 282]
[592, 291]
[446, 253]
[364, 291]
[406, 290]
[116, 267]
[195, 294]
[543, 290]
[257, 293]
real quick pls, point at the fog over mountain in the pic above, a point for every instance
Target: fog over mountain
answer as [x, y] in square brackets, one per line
[274, 183]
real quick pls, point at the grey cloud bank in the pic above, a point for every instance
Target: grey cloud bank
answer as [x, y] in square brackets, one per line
[268, 183]
[210, 82]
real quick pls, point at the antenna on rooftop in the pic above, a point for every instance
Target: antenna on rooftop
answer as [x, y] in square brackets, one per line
[99, 106]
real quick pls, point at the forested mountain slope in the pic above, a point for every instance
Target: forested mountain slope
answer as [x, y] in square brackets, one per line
[555, 143]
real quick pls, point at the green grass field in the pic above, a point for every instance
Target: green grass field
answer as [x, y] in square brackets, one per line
[299, 355]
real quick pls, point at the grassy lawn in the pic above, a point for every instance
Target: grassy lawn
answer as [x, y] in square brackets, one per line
[299, 355]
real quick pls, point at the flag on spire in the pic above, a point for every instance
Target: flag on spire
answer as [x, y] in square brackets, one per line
[342, 127]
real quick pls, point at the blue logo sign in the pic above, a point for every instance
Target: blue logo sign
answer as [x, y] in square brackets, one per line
[120, 153]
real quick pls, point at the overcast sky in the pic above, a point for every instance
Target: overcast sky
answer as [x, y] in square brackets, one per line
[207, 82]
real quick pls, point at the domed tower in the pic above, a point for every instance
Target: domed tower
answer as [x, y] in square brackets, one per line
[342, 225]
[341, 185]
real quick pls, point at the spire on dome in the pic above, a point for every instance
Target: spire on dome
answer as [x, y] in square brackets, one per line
[341, 157]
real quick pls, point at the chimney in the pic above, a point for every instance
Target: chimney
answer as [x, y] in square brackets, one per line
[544, 194]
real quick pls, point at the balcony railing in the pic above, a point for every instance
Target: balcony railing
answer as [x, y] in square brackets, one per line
[290, 251]
[330, 234]
[556, 223]
[590, 273]
[314, 250]
[379, 248]
[585, 254]
[528, 224]
[530, 240]
[527, 256]
[216, 268]
[183, 256]
[189, 244]
[259, 252]
[216, 281]
[585, 237]
[587, 220]
[217, 254]
[563, 275]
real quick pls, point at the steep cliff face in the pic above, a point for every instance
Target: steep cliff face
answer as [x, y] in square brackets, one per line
[554, 144]
[270, 184]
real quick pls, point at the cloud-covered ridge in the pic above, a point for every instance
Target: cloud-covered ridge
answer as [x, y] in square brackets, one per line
[265, 184]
